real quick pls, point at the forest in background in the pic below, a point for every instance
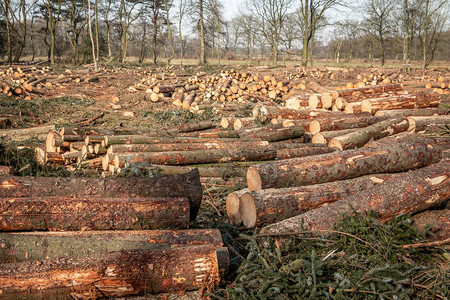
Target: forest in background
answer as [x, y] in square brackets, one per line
[84, 31]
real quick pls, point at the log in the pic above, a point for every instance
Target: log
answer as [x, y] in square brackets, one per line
[26, 133]
[81, 213]
[184, 185]
[413, 191]
[232, 203]
[367, 90]
[419, 100]
[190, 127]
[269, 206]
[184, 146]
[118, 273]
[421, 123]
[436, 222]
[39, 245]
[6, 170]
[209, 171]
[141, 139]
[413, 112]
[341, 165]
[376, 131]
[273, 133]
[195, 156]
[325, 136]
[343, 122]
[241, 123]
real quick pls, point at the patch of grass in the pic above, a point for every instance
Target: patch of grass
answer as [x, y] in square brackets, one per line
[177, 117]
[362, 259]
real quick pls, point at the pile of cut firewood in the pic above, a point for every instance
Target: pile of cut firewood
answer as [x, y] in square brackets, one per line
[91, 237]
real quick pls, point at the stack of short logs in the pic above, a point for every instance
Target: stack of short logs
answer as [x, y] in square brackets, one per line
[91, 237]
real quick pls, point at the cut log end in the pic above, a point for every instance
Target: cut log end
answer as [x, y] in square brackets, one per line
[248, 210]
[314, 127]
[334, 143]
[253, 179]
[318, 138]
[232, 205]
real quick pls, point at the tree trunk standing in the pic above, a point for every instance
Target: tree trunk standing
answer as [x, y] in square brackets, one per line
[426, 23]
[22, 38]
[124, 26]
[155, 18]
[348, 164]
[91, 37]
[216, 11]
[306, 30]
[143, 42]
[118, 273]
[169, 28]
[53, 26]
[181, 13]
[202, 34]
[406, 34]
[5, 8]
[413, 191]
[97, 42]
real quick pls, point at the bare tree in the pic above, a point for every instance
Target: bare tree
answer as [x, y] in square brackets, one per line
[127, 15]
[73, 14]
[54, 16]
[312, 14]
[167, 7]
[379, 20]
[181, 11]
[272, 14]
[198, 13]
[434, 18]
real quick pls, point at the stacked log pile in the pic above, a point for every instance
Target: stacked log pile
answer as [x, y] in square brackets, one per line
[92, 238]
[373, 148]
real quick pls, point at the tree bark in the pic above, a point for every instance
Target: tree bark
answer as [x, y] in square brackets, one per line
[269, 206]
[272, 112]
[68, 213]
[142, 139]
[413, 112]
[325, 136]
[344, 164]
[303, 151]
[411, 192]
[26, 133]
[119, 273]
[376, 131]
[23, 246]
[184, 185]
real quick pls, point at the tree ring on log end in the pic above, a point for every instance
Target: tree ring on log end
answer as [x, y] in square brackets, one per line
[334, 143]
[232, 206]
[253, 179]
[248, 210]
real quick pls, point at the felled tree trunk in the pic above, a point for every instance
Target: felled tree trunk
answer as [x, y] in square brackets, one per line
[419, 100]
[367, 90]
[348, 164]
[120, 273]
[411, 192]
[269, 206]
[347, 122]
[184, 185]
[303, 151]
[21, 246]
[81, 213]
[413, 112]
[273, 134]
[27, 133]
[373, 132]
[421, 123]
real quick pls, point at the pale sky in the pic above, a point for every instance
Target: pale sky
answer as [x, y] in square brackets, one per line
[231, 8]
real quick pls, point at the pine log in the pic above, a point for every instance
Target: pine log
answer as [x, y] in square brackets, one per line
[376, 131]
[184, 146]
[241, 123]
[190, 127]
[272, 112]
[273, 133]
[436, 222]
[343, 122]
[419, 100]
[208, 171]
[413, 191]
[421, 123]
[325, 136]
[184, 185]
[39, 245]
[119, 273]
[414, 112]
[68, 213]
[367, 90]
[195, 156]
[303, 151]
[341, 165]
[27, 133]
[269, 206]
[233, 206]
[141, 139]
